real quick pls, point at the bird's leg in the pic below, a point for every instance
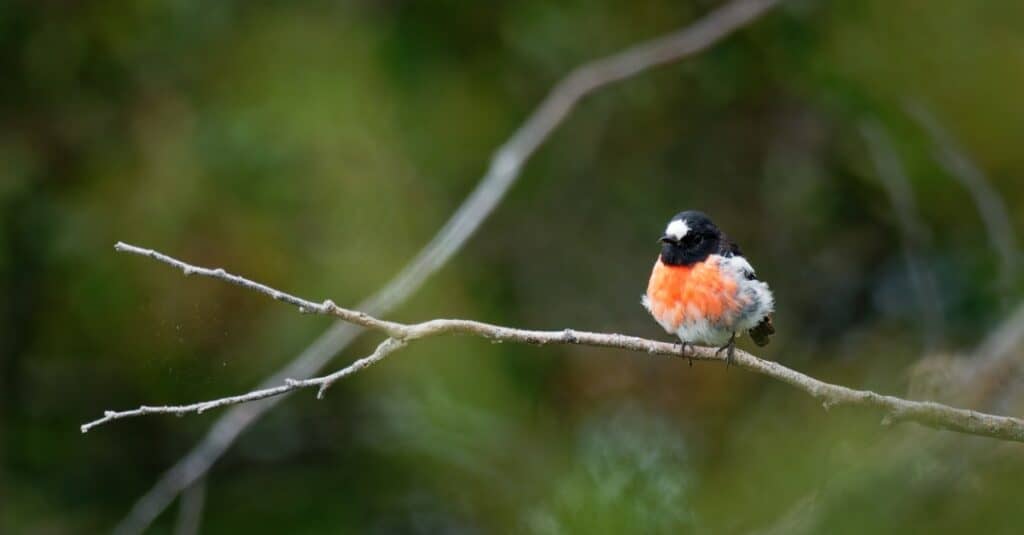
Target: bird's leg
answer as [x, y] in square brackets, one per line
[682, 351]
[730, 350]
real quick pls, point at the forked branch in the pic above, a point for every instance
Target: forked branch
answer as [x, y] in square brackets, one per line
[399, 335]
[503, 171]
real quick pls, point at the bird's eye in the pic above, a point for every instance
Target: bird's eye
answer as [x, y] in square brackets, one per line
[692, 240]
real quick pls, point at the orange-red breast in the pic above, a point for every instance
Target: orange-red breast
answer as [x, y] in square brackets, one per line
[703, 290]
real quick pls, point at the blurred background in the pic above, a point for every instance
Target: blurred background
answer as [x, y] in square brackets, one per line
[866, 155]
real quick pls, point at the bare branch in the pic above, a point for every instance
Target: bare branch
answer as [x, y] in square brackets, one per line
[994, 374]
[890, 171]
[981, 382]
[896, 409]
[385, 348]
[991, 206]
[190, 509]
[502, 173]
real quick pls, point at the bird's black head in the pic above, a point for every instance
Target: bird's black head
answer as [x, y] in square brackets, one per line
[689, 238]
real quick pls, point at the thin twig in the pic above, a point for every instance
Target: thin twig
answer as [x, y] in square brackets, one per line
[502, 173]
[400, 334]
[384, 349]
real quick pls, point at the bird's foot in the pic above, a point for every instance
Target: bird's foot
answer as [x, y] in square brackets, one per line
[730, 350]
[683, 346]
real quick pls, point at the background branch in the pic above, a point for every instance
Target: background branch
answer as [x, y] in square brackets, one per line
[990, 204]
[915, 235]
[984, 380]
[503, 171]
[896, 409]
[190, 509]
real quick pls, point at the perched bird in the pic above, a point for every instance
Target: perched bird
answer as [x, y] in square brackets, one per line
[703, 290]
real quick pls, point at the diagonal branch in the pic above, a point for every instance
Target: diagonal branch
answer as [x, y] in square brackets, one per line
[991, 206]
[190, 512]
[503, 171]
[896, 409]
[984, 382]
[915, 237]
[384, 349]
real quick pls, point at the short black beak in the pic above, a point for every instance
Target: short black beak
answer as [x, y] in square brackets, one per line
[667, 239]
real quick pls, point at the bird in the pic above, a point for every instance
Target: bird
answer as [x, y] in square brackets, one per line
[704, 291]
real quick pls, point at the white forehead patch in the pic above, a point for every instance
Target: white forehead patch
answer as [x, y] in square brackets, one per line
[677, 229]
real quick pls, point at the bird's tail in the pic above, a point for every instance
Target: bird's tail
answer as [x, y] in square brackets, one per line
[762, 332]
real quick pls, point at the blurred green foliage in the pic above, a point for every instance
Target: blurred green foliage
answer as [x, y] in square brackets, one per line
[315, 146]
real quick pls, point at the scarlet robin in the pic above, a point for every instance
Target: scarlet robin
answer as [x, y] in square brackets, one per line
[704, 291]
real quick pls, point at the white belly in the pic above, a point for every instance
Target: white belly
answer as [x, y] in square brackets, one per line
[754, 296]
